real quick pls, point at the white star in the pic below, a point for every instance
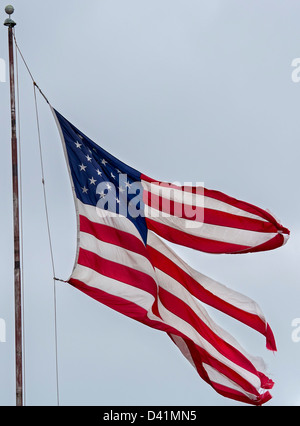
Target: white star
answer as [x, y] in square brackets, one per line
[102, 195]
[117, 200]
[88, 158]
[104, 162]
[99, 173]
[84, 190]
[108, 186]
[113, 176]
[78, 145]
[121, 189]
[127, 184]
[80, 136]
[82, 167]
[92, 181]
[118, 171]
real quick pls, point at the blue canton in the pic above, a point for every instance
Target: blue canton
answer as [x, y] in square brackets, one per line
[102, 180]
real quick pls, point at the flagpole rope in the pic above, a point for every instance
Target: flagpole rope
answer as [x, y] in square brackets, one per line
[21, 227]
[28, 69]
[43, 179]
[49, 235]
[35, 86]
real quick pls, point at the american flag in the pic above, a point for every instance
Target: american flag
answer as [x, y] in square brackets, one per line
[123, 263]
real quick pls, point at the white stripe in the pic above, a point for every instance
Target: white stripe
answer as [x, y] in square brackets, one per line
[181, 196]
[212, 232]
[116, 254]
[183, 347]
[116, 288]
[217, 289]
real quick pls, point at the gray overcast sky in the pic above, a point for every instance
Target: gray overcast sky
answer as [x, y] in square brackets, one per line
[189, 91]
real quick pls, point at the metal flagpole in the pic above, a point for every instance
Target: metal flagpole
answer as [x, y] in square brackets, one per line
[15, 180]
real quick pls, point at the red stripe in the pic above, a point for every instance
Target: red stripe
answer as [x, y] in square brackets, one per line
[206, 215]
[112, 235]
[185, 188]
[166, 265]
[198, 243]
[266, 383]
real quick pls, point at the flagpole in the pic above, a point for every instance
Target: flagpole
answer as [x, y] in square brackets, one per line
[15, 181]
